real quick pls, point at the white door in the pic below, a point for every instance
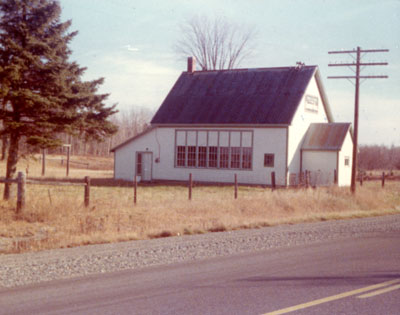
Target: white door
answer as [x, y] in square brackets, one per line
[147, 165]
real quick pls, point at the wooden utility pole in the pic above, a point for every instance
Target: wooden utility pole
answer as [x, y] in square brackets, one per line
[358, 64]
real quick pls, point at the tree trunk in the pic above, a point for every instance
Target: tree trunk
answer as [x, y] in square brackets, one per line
[4, 141]
[12, 161]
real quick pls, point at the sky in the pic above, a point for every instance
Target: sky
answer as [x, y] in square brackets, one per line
[130, 44]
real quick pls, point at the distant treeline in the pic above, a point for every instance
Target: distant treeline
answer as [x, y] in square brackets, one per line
[134, 121]
[372, 157]
[130, 123]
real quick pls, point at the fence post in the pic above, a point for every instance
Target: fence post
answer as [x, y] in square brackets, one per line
[361, 179]
[43, 162]
[135, 189]
[273, 180]
[190, 186]
[236, 187]
[68, 154]
[335, 179]
[307, 179]
[21, 182]
[383, 179]
[87, 191]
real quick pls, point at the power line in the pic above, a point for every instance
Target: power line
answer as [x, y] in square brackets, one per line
[358, 64]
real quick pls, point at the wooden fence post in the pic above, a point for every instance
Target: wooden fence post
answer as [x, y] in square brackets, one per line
[43, 162]
[383, 179]
[307, 179]
[273, 180]
[190, 186]
[335, 178]
[87, 191]
[68, 154]
[361, 179]
[135, 189]
[21, 182]
[236, 187]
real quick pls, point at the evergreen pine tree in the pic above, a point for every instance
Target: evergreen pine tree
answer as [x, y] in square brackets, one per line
[42, 92]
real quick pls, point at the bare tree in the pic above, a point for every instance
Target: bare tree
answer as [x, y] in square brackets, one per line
[216, 44]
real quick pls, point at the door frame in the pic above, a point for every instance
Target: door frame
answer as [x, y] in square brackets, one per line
[151, 166]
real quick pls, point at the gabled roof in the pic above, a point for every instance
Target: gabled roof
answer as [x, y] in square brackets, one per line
[244, 96]
[323, 136]
[132, 139]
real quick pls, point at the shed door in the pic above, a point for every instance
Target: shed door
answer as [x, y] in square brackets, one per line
[144, 165]
[147, 159]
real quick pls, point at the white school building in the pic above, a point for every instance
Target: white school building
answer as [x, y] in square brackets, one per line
[249, 122]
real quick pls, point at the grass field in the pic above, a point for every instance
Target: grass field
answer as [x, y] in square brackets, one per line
[56, 217]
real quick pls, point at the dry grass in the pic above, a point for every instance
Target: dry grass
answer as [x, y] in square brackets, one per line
[55, 216]
[80, 166]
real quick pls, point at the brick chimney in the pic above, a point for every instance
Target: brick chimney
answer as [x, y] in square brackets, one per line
[191, 65]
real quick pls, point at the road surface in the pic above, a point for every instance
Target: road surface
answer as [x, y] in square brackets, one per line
[348, 276]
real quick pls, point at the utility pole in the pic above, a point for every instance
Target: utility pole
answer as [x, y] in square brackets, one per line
[358, 64]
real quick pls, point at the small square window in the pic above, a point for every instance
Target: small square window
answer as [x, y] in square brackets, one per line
[269, 160]
[346, 161]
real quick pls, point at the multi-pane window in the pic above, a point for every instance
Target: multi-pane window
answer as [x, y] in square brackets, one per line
[202, 157]
[223, 149]
[212, 156]
[223, 157]
[139, 164]
[181, 156]
[246, 158]
[268, 160]
[235, 157]
[191, 156]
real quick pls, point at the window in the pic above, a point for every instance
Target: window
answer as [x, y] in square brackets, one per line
[268, 160]
[139, 164]
[235, 157]
[212, 156]
[191, 156]
[311, 103]
[181, 156]
[246, 161]
[224, 149]
[346, 161]
[223, 157]
[202, 157]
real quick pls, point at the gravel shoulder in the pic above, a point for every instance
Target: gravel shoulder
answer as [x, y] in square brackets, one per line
[28, 268]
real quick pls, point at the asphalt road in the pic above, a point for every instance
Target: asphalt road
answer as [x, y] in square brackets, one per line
[352, 276]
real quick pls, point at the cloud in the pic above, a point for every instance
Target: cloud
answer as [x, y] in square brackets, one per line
[134, 80]
[130, 48]
[378, 115]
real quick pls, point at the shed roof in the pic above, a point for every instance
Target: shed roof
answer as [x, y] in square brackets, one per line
[325, 136]
[243, 96]
[129, 140]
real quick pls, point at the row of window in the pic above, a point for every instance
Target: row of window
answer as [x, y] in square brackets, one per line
[223, 149]
[214, 157]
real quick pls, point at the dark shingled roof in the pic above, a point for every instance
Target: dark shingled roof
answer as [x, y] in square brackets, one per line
[324, 136]
[245, 96]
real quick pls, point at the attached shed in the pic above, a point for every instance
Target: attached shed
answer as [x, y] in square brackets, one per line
[327, 153]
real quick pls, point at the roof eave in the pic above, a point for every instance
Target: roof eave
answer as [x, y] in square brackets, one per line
[132, 139]
[186, 125]
[324, 97]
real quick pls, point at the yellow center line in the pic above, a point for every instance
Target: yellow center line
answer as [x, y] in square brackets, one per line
[332, 298]
[381, 291]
